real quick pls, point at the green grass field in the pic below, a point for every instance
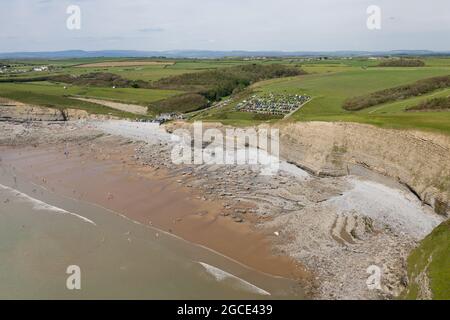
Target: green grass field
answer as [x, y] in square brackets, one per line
[431, 259]
[54, 95]
[156, 72]
[145, 72]
[60, 102]
[329, 82]
[333, 83]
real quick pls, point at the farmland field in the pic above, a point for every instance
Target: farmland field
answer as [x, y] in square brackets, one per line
[125, 64]
[53, 95]
[329, 82]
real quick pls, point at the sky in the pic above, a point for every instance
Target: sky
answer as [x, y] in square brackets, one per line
[253, 25]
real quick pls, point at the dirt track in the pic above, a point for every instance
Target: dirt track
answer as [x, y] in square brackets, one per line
[132, 108]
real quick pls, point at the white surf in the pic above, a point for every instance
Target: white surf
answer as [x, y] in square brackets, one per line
[221, 275]
[40, 205]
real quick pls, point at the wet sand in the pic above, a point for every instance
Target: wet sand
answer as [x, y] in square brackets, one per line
[118, 258]
[114, 180]
[335, 226]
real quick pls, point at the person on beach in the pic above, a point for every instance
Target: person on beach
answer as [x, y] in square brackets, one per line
[66, 152]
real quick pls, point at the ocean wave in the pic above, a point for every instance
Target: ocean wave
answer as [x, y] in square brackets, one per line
[221, 275]
[40, 205]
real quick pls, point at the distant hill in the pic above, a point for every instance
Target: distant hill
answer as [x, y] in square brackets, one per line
[208, 54]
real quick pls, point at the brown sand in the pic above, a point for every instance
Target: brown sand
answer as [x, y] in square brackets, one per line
[114, 180]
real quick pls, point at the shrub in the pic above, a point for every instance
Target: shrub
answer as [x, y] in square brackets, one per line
[397, 93]
[181, 103]
[216, 84]
[99, 79]
[432, 104]
[402, 63]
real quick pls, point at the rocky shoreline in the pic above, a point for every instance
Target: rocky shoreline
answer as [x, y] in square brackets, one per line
[336, 226]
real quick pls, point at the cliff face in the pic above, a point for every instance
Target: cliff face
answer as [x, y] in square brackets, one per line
[29, 113]
[420, 160]
[19, 112]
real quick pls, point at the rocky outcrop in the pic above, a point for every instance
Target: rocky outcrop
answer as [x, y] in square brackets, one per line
[336, 227]
[19, 112]
[30, 113]
[419, 160]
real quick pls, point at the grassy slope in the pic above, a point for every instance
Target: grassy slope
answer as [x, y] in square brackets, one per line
[229, 116]
[120, 94]
[437, 246]
[400, 106]
[55, 96]
[59, 102]
[146, 73]
[334, 81]
[330, 90]
[330, 83]
[153, 73]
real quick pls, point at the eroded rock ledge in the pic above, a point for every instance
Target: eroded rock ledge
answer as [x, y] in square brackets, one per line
[336, 227]
[419, 160]
[19, 112]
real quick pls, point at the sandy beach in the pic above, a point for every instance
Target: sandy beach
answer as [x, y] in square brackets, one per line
[42, 233]
[322, 232]
[114, 179]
